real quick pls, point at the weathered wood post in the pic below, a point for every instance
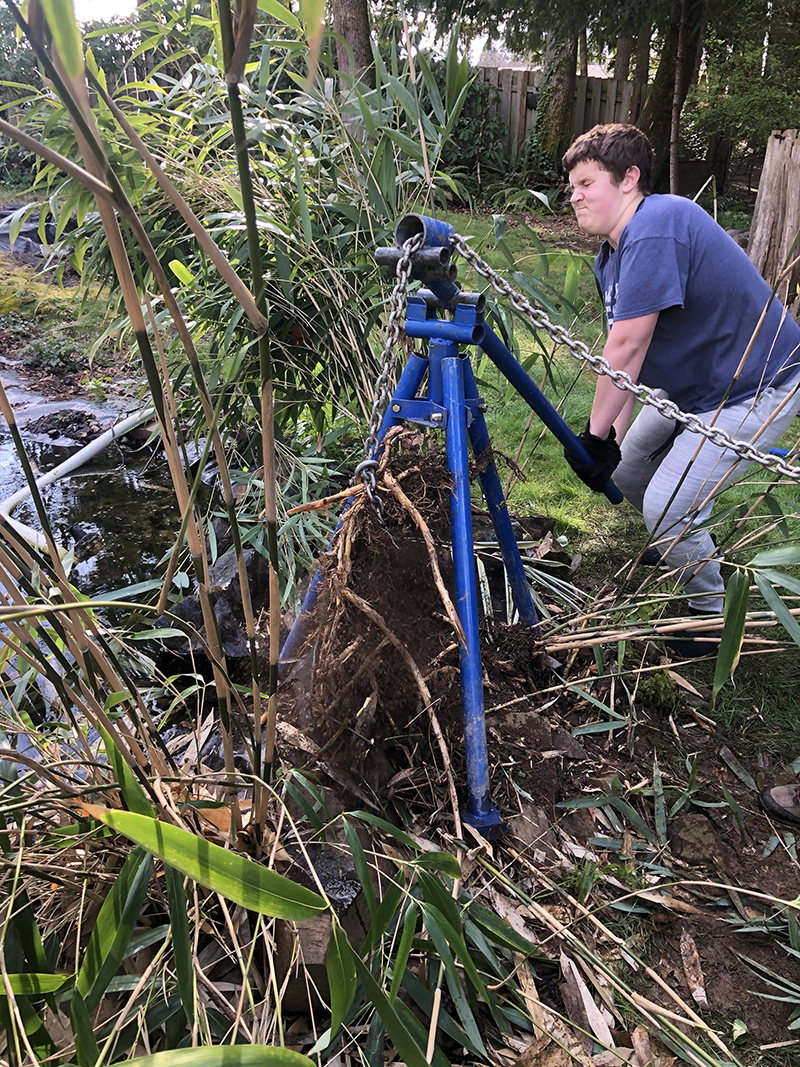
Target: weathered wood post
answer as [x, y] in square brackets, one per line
[774, 245]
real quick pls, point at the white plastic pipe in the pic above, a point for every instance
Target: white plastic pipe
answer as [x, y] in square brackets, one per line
[77, 459]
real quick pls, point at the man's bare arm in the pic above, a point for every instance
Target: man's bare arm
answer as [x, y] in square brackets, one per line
[625, 349]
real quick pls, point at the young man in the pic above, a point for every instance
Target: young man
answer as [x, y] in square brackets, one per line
[684, 306]
[683, 302]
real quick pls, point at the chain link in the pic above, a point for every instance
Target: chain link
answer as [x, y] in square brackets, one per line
[366, 469]
[623, 381]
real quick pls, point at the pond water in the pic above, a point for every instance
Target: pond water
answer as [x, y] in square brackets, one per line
[117, 512]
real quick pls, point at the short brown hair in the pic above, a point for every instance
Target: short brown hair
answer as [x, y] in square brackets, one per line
[615, 146]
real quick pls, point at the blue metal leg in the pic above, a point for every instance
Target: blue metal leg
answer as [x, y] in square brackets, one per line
[530, 392]
[498, 509]
[410, 381]
[480, 814]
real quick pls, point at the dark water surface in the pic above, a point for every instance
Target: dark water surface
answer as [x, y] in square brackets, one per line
[117, 512]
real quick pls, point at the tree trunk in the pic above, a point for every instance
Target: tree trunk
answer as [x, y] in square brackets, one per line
[554, 112]
[641, 74]
[656, 117]
[622, 64]
[678, 96]
[774, 241]
[583, 54]
[351, 23]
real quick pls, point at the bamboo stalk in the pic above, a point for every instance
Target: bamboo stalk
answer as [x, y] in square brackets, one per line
[232, 50]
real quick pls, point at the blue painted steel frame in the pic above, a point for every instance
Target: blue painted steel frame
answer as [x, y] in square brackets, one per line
[453, 403]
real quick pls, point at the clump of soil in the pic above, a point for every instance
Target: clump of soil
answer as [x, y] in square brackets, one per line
[72, 423]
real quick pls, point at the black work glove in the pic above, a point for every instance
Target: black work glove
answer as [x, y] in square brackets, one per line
[606, 456]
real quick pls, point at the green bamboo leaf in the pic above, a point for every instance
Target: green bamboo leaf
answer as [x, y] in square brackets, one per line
[782, 613]
[436, 932]
[341, 975]
[432, 88]
[444, 862]
[224, 1056]
[404, 948]
[232, 876]
[633, 817]
[113, 928]
[387, 909]
[362, 867]
[423, 998]
[181, 938]
[132, 792]
[60, 16]
[86, 1051]
[410, 147]
[31, 985]
[281, 13]
[27, 930]
[783, 556]
[407, 1049]
[181, 272]
[736, 596]
[779, 578]
[393, 831]
[302, 201]
[598, 727]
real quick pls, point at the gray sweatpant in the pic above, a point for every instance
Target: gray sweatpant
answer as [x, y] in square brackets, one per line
[675, 490]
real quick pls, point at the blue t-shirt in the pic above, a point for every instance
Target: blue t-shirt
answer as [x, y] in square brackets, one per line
[673, 258]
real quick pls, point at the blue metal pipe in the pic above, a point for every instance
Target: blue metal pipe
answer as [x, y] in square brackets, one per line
[463, 333]
[480, 812]
[530, 392]
[498, 510]
[434, 232]
[410, 381]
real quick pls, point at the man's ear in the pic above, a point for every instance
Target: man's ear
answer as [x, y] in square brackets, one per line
[631, 179]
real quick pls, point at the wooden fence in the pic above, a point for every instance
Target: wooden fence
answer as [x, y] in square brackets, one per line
[596, 100]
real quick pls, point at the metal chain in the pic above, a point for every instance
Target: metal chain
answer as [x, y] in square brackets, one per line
[622, 380]
[366, 469]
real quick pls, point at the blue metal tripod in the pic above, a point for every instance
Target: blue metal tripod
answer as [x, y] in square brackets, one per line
[453, 405]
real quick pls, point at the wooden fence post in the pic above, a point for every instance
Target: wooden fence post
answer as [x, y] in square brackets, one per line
[774, 244]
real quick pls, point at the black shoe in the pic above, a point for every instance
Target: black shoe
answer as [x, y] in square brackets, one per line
[782, 801]
[689, 644]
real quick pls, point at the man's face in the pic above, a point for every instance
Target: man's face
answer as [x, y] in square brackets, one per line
[599, 203]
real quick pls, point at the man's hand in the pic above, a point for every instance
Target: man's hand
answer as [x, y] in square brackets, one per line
[605, 453]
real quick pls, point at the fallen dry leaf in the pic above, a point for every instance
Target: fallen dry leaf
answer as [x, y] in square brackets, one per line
[581, 998]
[693, 970]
